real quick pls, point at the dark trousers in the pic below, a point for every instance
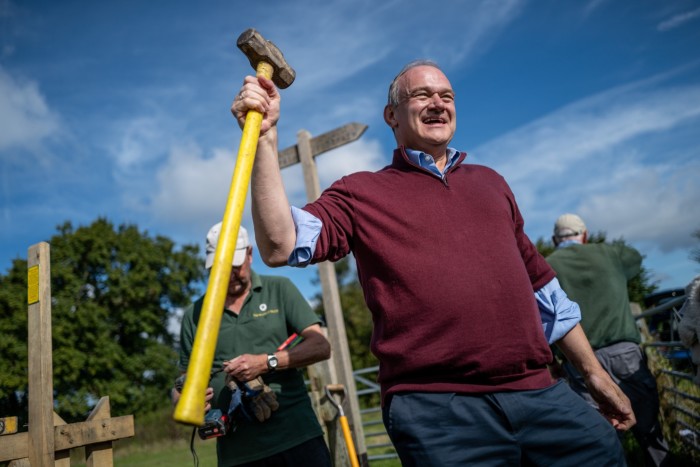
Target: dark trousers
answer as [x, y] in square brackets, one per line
[547, 427]
[312, 453]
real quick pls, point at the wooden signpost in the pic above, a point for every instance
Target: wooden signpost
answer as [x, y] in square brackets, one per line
[304, 152]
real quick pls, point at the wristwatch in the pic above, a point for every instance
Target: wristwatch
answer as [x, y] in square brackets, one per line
[271, 362]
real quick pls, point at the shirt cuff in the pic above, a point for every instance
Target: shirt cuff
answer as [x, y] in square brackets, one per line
[308, 228]
[558, 313]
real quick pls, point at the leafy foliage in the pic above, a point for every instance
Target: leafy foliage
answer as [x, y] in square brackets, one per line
[113, 291]
[637, 288]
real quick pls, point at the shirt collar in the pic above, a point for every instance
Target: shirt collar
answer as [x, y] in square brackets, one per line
[255, 282]
[427, 161]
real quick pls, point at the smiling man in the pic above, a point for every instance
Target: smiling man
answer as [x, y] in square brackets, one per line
[260, 312]
[464, 307]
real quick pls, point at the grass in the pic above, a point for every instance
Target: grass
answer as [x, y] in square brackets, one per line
[164, 453]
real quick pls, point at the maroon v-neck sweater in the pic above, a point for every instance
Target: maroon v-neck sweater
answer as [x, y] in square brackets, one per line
[447, 272]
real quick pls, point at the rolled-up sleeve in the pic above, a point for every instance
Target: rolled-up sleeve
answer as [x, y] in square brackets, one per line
[558, 314]
[308, 227]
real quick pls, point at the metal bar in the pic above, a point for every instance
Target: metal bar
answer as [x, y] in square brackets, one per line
[686, 412]
[664, 344]
[380, 445]
[677, 374]
[377, 457]
[373, 423]
[364, 371]
[689, 427]
[661, 308]
[683, 394]
[375, 433]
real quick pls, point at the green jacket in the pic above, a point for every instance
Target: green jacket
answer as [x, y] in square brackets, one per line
[595, 276]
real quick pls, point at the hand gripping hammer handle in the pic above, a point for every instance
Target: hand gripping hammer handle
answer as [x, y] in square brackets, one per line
[269, 62]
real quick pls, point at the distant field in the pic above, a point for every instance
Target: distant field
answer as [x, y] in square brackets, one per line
[175, 454]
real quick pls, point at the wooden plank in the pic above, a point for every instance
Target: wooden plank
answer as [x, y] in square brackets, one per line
[71, 436]
[288, 156]
[100, 454]
[40, 369]
[14, 446]
[323, 143]
[20, 463]
[336, 138]
[93, 431]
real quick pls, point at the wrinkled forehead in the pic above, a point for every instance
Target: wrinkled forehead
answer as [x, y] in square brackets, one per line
[424, 78]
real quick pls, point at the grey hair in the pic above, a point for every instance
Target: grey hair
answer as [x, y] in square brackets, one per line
[393, 98]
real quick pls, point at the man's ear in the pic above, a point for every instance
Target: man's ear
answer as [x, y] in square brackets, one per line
[390, 117]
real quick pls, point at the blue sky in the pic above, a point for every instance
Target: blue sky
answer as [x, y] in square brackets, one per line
[121, 109]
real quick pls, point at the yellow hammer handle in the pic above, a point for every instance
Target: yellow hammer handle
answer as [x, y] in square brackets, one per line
[190, 407]
[348, 441]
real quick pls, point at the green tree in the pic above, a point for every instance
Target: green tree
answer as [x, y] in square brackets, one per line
[637, 288]
[113, 291]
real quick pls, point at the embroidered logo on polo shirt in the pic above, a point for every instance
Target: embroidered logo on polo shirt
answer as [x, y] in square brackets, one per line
[264, 311]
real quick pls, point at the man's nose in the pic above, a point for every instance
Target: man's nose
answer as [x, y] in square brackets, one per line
[436, 101]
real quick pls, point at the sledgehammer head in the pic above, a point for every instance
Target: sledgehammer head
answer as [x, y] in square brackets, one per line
[257, 49]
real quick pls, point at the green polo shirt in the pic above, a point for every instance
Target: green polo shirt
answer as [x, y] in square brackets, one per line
[273, 310]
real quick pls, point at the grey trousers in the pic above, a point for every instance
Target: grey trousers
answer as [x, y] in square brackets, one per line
[626, 363]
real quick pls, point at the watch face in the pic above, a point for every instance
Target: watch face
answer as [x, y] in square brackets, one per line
[271, 361]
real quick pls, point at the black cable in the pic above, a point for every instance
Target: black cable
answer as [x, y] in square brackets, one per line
[194, 430]
[194, 453]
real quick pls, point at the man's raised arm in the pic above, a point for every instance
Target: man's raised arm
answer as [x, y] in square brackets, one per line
[274, 228]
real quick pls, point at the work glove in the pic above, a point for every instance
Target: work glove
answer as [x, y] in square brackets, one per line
[254, 396]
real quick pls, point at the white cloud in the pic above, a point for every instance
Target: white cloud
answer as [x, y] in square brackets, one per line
[584, 129]
[328, 42]
[614, 159]
[484, 23]
[25, 117]
[362, 155]
[678, 20]
[140, 142]
[653, 208]
[191, 188]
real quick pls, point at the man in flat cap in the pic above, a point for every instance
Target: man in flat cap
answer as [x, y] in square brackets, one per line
[595, 276]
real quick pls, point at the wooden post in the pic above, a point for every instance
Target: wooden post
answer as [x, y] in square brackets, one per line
[40, 371]
[62, 456]
[100, 454]
[304, 151]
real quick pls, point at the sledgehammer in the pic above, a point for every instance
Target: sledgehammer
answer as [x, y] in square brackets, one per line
[269, 62]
